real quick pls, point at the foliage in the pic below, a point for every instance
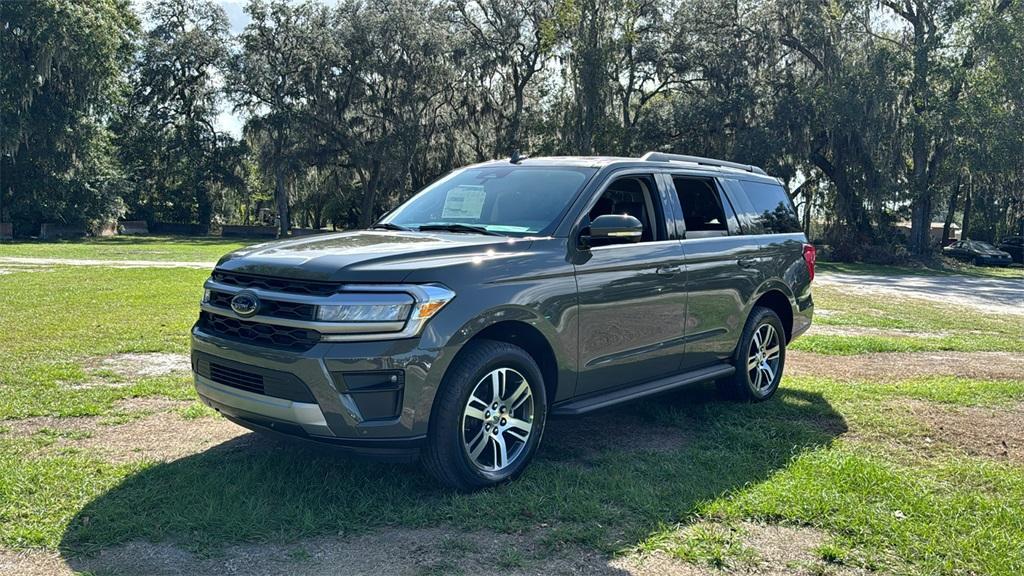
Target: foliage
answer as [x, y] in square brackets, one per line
[871, 112]
[60, 76]
[175, 158]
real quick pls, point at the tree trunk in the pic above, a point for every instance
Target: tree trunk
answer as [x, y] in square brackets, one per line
[366, 214]
[205, 209]
[951, 209]
[920, 225]
[921, 204]
[965, 226]
[281, 198]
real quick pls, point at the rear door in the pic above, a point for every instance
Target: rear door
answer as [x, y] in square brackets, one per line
[768, 212]
[722, 269]
[632, 297]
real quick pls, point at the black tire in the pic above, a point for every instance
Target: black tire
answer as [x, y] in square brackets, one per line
[446, 456]
[742, 385]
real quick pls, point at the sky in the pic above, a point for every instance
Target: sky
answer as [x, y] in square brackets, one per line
[227, 120]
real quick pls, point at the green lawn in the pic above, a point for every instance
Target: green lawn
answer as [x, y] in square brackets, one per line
[916, 325]
[846, 458]
[164, 248]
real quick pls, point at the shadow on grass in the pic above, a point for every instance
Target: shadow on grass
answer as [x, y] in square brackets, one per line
[606, 481]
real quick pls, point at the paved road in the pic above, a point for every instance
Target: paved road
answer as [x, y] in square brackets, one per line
[993, 295]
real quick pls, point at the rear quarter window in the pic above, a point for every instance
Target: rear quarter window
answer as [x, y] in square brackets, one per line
[772, 210]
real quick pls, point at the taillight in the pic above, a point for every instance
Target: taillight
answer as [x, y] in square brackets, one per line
[810, 254]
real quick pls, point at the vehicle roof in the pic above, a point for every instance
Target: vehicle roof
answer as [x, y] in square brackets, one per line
[615, 162]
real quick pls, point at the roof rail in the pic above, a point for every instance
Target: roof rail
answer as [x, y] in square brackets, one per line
[666, 157]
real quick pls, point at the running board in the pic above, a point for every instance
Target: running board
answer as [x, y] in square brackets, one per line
[620, 395]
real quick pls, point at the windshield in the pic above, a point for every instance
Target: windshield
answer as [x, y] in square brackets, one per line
[511, 200]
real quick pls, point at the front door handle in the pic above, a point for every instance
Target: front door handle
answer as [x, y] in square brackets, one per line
[668, 270]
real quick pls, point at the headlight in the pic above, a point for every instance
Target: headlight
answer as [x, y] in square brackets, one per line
[393, 312]
[419, 305]
[206, 296]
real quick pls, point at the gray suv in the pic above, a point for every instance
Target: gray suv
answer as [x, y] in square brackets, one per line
[502, 294]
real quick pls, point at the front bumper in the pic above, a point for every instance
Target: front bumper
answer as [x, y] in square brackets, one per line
[334, 396]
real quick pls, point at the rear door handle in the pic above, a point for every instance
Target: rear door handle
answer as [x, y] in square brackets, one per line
[748, 262]
[668, 270]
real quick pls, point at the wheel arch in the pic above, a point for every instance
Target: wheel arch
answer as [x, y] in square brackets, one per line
[524, 328]
[776, 299]
[529, 338]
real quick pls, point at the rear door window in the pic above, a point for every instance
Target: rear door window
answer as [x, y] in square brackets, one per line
[769, 208]
[704, 212]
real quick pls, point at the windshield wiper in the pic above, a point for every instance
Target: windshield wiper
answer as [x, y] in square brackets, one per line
[455, 227]
[389, 226]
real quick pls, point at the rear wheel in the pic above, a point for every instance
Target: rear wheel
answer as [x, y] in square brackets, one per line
[760, 358]
[488, 417]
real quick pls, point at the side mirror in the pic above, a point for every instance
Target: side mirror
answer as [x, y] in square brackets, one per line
[612, 229]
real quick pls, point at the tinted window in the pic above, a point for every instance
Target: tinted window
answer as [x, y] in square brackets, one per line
[772, 209]
[513, 200]
[632, 195]
[702, 207]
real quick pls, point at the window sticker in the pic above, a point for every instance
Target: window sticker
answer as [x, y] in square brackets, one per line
[465, 201]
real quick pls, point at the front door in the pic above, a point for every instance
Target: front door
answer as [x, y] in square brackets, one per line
[632, 297]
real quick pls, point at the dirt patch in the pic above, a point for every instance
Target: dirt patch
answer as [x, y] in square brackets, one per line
[996, 433]
[161, 434]
[392, 552]
[163, 437]
[32, 563]
[779, 550]
[893, 366]
[773, 550]
[129, 367]
[144, 364]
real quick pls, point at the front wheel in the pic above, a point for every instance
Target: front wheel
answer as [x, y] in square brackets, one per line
[488, 417]
[760, 358]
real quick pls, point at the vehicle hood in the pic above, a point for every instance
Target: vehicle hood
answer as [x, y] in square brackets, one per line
[367, 255]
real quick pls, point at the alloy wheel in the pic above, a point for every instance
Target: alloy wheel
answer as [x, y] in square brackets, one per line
[763, 357]
[498, 419]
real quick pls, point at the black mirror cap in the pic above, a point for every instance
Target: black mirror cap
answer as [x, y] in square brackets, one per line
[613, 229]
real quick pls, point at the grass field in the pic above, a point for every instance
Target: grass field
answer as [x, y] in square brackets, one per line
[165, 248]
[917, 474]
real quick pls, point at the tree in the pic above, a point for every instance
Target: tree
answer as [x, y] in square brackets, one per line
[507, 44]
[61, 69]
[176, 155]
[265, 79]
